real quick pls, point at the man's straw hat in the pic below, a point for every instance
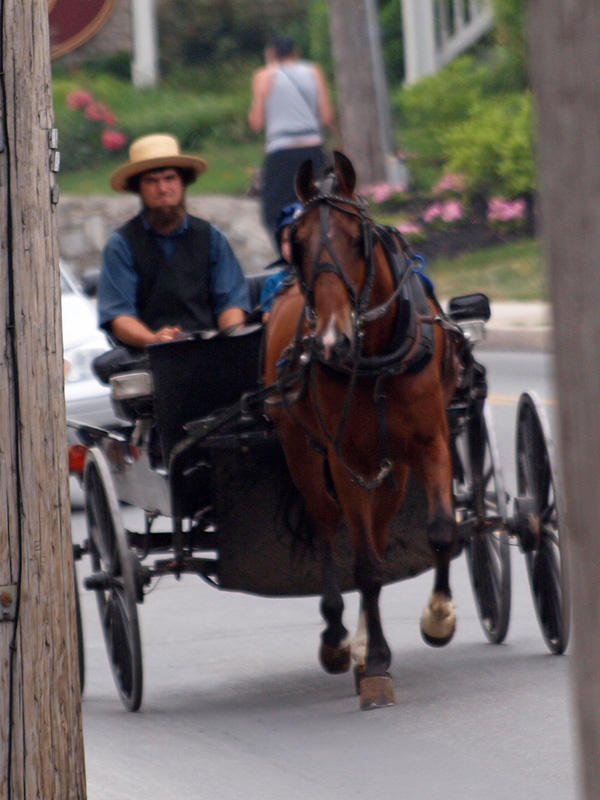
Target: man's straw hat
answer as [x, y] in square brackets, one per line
[156, 151]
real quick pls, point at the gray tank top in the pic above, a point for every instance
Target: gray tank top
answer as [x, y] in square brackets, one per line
[292, 115]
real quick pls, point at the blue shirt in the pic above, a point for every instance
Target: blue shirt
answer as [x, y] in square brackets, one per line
[271, 288]
[117, 290]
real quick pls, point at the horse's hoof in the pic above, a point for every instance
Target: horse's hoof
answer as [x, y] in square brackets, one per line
[376, 692]
[438, 622]
[334, 660]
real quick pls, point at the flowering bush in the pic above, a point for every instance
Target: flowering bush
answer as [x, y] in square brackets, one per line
[383, 191]
[452, 183]
[507, 214]
[90, 133]
[445, 212]
[413, 231]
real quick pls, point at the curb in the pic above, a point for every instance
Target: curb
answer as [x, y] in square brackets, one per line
[516, 338]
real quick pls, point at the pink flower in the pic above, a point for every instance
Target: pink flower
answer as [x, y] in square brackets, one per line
[432, 212]
[453, 182]
[408, 227]
[95, 111]
[502, 210]
[109, 117]
[380, 192]
[79, 98]
[113, 139]
[452, 211]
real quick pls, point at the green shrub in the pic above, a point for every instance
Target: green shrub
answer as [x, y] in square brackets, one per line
[213, 31]
[463, 119]
[425, 110]
[493, 147]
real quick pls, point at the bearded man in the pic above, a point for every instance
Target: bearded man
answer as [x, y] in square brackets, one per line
[166, 272]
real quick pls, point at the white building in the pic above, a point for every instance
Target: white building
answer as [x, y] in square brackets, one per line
[436, 31]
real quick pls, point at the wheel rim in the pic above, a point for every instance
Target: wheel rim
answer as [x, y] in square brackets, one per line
[484, 508]
[116, 603]
[536, 480]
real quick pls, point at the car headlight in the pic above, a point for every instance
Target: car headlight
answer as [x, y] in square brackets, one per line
[78, 364]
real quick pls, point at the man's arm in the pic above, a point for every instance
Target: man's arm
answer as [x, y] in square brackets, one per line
[228, 286]
[261, 86]
[231, 317]
[133, 332]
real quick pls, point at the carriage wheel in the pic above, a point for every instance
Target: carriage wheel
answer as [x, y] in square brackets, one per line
[79, 624]
[113, 580]
[480, 502]
[543, 554]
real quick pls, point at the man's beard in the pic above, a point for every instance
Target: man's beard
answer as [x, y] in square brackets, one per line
[165, 218]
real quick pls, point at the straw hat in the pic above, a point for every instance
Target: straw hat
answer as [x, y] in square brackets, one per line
[155, 151]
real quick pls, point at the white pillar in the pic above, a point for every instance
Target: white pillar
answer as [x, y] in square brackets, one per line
[419, 39]
[144, 69]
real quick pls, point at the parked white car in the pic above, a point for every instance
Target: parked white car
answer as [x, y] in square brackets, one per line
[87, 400]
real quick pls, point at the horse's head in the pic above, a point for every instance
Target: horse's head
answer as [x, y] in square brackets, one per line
[331, 241]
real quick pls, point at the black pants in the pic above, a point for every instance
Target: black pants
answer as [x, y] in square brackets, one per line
[279, 171]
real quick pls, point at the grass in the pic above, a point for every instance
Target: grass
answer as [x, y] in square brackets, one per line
[514, 271]
[230, 170]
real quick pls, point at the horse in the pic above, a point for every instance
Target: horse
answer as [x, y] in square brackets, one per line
[365, 361]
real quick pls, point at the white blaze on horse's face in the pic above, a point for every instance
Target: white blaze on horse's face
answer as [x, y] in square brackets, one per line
[329, 338]
[334, 332]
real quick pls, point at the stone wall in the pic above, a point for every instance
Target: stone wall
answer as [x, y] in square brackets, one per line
[84, 224]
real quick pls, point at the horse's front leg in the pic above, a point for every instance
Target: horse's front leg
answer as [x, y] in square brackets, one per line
[438, 622]
[334, 652]
[374, 683]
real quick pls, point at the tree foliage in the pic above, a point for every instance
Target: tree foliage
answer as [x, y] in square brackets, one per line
[213, 31]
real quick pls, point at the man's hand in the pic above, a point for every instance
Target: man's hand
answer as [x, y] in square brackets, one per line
[132, 331]
[167, 333]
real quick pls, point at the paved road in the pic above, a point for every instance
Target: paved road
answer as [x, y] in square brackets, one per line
[236, 706]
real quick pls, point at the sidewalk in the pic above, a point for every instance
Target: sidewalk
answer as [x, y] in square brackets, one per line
[519, 326]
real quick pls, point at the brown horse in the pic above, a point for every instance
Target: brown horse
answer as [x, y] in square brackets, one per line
[365, 363]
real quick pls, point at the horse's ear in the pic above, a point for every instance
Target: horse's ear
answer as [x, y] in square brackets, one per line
[305, 182]
[345, 174]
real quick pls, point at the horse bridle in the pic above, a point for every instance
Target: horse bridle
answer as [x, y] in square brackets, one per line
[354, 208]
[369, 232]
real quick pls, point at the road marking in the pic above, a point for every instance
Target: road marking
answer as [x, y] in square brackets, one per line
[513, 399]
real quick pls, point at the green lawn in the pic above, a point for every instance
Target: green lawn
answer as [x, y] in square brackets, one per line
[230, 171]
[512, 271]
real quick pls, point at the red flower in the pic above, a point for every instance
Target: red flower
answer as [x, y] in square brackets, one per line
[113, 139]
[95, 111]
[79, 98]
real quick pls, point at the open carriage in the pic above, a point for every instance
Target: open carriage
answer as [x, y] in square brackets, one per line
[198, 449]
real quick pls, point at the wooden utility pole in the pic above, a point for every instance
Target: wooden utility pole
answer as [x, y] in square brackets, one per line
[565, 66]
[363, 104]
[41, 751]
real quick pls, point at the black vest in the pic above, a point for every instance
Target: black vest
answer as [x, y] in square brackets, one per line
[172, 291]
